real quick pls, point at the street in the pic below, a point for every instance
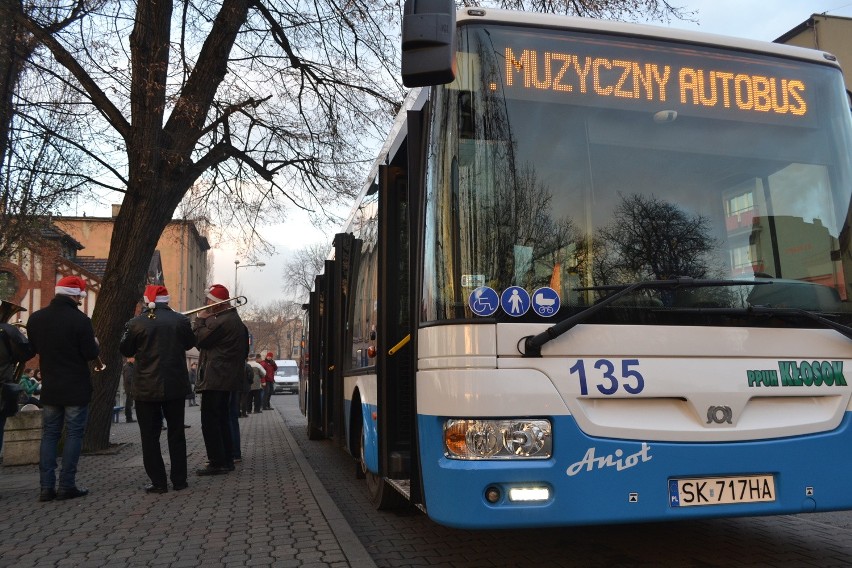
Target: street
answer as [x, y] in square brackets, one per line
[411, 539]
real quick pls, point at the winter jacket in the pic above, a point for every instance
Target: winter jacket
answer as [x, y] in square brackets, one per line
[159, 345]
[65, 341]
[270, 367]
[258, 373]
[222, 341]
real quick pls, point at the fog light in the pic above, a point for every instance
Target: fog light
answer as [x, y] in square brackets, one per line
[529, 494]
[492, 495]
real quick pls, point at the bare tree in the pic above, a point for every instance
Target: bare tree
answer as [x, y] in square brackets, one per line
[275, 326]
[37, 166]
[248, 104]
[300, 271]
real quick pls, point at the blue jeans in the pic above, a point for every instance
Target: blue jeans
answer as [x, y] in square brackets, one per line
[52, 420]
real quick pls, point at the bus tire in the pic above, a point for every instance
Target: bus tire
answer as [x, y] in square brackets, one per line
[382, 495]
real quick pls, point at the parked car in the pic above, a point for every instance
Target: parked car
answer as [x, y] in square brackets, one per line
[287, 376]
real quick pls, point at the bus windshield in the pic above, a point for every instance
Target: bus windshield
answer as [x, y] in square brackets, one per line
[586, 162]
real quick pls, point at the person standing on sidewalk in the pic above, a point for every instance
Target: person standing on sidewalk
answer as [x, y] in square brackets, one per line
[269, 386]
[158, 339]
[256, 392]
[223, 344]
[65, 341]
[193, 375]
[127, 372]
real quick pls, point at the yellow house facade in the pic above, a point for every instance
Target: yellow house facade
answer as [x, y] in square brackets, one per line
[182, 250]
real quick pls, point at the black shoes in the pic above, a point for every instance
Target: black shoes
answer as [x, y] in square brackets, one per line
[71, 493]
[180, 486]
[129, 420]
[213, 470]
[47, 494]
[156, 489]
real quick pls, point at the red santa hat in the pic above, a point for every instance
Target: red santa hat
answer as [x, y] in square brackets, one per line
[156, 295]
[71, 286]
[217, 293]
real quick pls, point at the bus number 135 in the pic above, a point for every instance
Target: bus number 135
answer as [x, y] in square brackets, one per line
[605, 379]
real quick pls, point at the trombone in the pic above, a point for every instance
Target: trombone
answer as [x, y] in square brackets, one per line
[238, 302]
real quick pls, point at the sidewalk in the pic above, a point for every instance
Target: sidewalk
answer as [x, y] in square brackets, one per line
[271, 511]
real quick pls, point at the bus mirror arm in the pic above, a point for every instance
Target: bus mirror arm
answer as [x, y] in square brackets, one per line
[534, 343]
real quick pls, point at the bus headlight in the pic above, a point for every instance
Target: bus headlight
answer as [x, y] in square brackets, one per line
[498, 439]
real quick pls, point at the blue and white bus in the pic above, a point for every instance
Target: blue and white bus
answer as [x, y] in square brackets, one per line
[600, 273]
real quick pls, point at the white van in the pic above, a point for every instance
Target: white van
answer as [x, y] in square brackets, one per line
[287, 376]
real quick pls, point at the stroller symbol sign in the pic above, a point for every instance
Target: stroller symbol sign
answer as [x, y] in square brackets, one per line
[545, 302]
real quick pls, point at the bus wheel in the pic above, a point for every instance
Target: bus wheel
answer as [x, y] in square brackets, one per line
[382, 495]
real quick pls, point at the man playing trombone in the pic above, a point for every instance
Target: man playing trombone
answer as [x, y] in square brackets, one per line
[158, 339]
[222, 341]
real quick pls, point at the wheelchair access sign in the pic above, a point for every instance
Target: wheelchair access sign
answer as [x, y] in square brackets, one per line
[483, 301]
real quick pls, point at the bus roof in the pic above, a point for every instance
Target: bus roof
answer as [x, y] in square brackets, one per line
[471, 15]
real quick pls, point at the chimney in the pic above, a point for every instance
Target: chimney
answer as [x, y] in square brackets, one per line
[116, 207]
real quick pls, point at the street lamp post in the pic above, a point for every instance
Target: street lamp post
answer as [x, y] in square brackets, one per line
[236, 267]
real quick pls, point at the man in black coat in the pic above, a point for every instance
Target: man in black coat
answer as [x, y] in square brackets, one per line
[65, 341]
[158, 339]
[222, 341]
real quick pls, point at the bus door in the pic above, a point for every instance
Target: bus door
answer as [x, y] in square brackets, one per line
[313, 400]
[395, 363]
[346, 253]
[304, 354]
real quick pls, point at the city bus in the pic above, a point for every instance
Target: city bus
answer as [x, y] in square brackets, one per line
[599, 273]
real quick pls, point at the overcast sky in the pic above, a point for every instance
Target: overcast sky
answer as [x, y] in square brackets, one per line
[755, 19]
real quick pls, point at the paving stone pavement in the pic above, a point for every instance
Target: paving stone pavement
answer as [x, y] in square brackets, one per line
[272, 511]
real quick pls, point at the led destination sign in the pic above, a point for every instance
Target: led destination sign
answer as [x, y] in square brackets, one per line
[631, 79]
[643, 74]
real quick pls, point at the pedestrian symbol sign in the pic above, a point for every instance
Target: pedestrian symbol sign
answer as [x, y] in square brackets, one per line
[483, 301]
[545, 302]
[515, 301]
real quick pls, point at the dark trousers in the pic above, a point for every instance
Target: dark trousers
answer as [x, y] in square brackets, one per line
[128, 407]
[150, 417]
[216, 427]
[267, 391]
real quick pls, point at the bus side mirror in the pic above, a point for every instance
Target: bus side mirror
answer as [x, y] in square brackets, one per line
[428, 42]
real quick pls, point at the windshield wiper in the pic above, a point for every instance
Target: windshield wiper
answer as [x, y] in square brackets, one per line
[770, 311]
[534, 343]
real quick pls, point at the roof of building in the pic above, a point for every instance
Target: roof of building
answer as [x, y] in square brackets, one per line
[53, 232]
[807, 24]
[96, 266]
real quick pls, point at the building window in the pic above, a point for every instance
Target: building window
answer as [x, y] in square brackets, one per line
[8, 285]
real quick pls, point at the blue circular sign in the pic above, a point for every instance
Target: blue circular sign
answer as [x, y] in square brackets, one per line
[515, 301]
[545, 302]
[483, 301]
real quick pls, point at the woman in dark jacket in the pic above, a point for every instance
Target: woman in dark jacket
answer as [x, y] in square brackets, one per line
[158, 340]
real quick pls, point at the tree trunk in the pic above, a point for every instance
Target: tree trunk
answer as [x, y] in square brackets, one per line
[141, 221]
